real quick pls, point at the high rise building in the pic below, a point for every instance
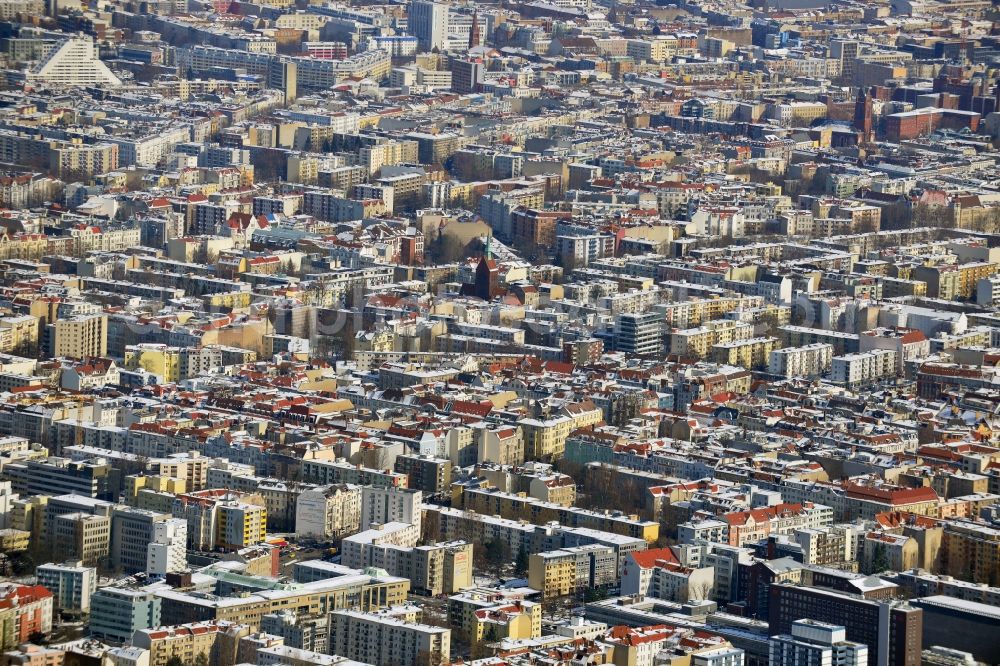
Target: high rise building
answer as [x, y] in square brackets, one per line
[167, 552]
[846, 52]
[241, 524]
[638, 333]
[132, 530]
[390, 505]
[428, 22]
[81, 336]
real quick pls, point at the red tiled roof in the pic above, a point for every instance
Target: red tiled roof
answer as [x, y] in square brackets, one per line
[647, 559]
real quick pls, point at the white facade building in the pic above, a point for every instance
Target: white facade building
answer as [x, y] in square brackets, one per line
[428, 22]
[380, 505]
[856, 370]
[383, 640]
[167, 553]
[816, 643]
[73, 63]
[328, 511]
[808, 361]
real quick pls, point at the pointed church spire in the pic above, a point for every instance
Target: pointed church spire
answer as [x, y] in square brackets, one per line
[474, 32]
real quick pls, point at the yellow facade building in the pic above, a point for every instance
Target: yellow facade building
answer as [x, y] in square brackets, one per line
[160, 360]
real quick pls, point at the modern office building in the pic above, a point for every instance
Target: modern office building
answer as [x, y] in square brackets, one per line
[132, 530]
[958, 624]
[638, 333]
[116, 613]
[71, 585]
[892, 631]
[61, 476]
[814, 643]
[428, 22]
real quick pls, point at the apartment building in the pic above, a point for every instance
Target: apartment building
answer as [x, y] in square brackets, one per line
[387, 153]
[298, 632]
[329, 206]
[214, 641]
[544, 438]
[19, 334]
[492, 502]
[954, 281]
[210, 526]
[558, 573]
[807, 361]
[26, 610]
[328, 512]
[749, 353]
[386, 504]
[240, 524]
[82, 162]
[829, 545]
[360, 550]
[328, 472]
[696, 310]
[800, 336]
[698, 342]
[167, 552]
[481, 616]
[506, 445]
[971, 551]
[429, 474]
[908, 343]
[81, 336]
[383, 640]
[659, 574]
[863, 368]
[455, 524]
[432, 569]
[747, 527]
